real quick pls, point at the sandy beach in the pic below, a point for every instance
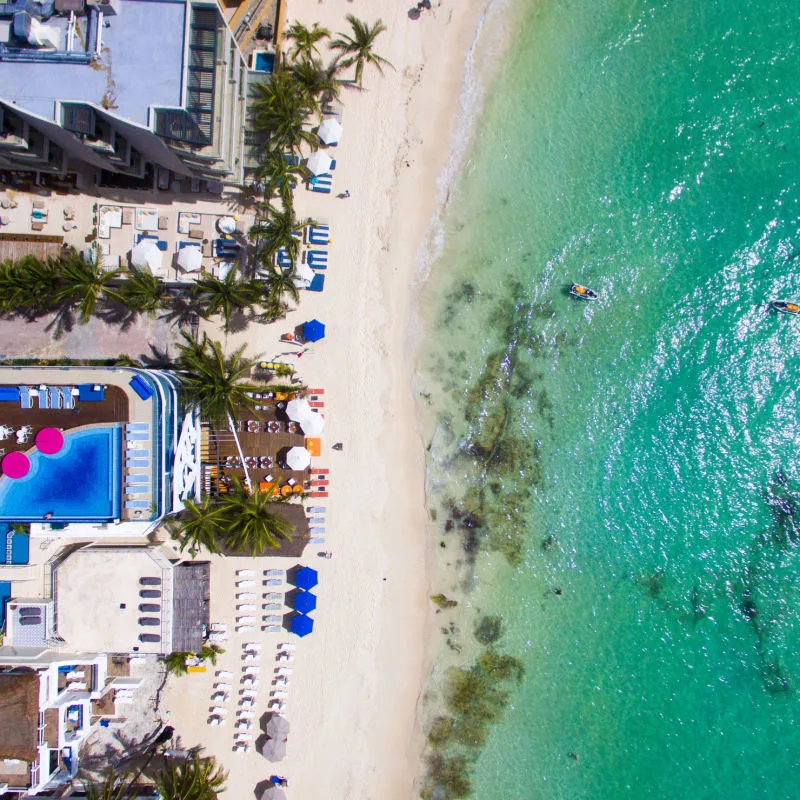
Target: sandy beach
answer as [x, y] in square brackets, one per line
[356, 682]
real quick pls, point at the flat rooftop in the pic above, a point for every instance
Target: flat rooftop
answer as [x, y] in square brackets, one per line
[142, 65]
[99, 593]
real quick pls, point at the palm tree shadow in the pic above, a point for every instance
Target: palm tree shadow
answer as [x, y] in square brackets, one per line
[118, 315]
[240, 321]
[157, 359]
[183, 312]
[62, 324]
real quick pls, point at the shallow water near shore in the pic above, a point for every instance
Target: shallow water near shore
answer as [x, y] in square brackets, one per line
[628, 467]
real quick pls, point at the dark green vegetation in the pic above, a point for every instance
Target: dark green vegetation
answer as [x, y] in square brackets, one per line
[474, 699]
[244, 521]
[71, 288]
[175, 779]
[442, 601]
[178, 663]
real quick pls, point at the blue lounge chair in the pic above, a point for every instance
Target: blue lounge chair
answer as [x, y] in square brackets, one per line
[137, 426]
[137, 489]
[44, 398]
[136, 437]
[67, 398]
[136, 504]
[317, 259]
[25, 397]
[54, 396]
[131, 479]
[317, 284]
[282, 258]
[318, 235]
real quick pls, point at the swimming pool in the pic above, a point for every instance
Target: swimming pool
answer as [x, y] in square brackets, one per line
[80, 483]
[264, 61]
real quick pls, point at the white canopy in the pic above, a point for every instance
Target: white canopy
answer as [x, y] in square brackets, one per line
[313, 424]
[330, 131]
[318, 162]
[303, 276]
[190, 258]
[146, 254]
[298, 409]
[298, 458]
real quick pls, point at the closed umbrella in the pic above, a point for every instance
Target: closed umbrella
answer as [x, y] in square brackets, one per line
[330, 131]
[305, 602]
[313, 424]
[146, 256]
[306, 578]
[298, 458]
[278, 727]
[190, 259]
[274, 750]
[319, 162]
[273, 793]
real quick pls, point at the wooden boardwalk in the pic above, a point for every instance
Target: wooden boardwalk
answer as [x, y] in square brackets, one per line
[14, 246]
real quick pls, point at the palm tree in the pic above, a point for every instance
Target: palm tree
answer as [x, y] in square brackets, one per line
[280, 228]
[252, 526]
[28, 284]
[213, 383]
[279, 111]
[305, 39]
[318, 82]
[195, 779]
[278, 283]
[112, 787]
[223, 296]
[142, 292]
[277, 174]
[83, 283]
[357, 49]
[199, 527]
[209, 653]
[176, 663]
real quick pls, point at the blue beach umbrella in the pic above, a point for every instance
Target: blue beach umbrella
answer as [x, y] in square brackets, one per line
[302, 625]
[305, 602]
[313, 331]
[306, 578]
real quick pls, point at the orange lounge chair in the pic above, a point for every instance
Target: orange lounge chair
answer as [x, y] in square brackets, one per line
[314, 446]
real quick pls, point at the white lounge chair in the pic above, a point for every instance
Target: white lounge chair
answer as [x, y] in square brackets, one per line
[217, 637]
[224, 673]
[247, 702]
[219, 711]
[249, 658]
[245, 620]
[245, 628]
[241, 748]
[285, 657]
[249, 693]
[256, 646]
[223, 687]
[272, 606]
[273, 596]
[245, 584]
[244, 737]
[251, 683]
[279, 695]
[287, 646]
[220, 697]
[251, 670]
[219, 626]
[244, 726]
[246, 607]
[246, 714]
[272, 628]
[245, 573]
[284, 671]
[273, 619]
[216, 721]
[273, 582]
[281, 683]
[274, 573]
[246, 596]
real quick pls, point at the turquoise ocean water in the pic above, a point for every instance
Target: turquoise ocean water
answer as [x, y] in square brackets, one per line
[644, 447]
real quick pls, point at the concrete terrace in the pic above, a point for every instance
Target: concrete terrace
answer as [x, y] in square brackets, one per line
[142, 65]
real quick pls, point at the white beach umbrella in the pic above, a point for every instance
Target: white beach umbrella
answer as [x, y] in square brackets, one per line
[298, 458]
[319, 162]
[313, 424]
[330, 131]
[303, 276]
[146, 254]
[278, 727]
[297, 409]
[190, 258]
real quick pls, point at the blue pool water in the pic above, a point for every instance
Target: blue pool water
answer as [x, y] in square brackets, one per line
[5, 593]
[14, 547]
[80, 483]
[265, 62]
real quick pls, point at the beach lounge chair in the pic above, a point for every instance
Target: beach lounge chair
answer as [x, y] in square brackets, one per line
[316, 530]
[285, 658]
[137, 489]
[249, 658]
[219, 711]
[284, 671]
[273, 606]
[245, 596]
[67, 398]
[249, 693]
[245, 573]
[245, 628]
[25, 397]
[245, 620]
[130, 479]
[321, 183]
[274, 573]
[132, 436]
[282, 258]
[273, 582]
[272, 628]
[246, 607]
[44, 398]
[223, 673]
[273, 619]
[217, 637]
[220, 697]
[244, 725]
[288, 646]
[318, 235]
[273, 596]
[137, 426]
[137, 504]
[245, 584]
[251, 670]
[216, 721]
[317, 259]
[279, 695]
[317, 540]
[250, 683]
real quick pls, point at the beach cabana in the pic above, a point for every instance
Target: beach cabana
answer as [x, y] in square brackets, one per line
[305, 602]
[306, 578]
[278, 727]
[330, 131]
[298, 458]
[302, 626]
[190, 258]
[303, 275]
[313, 330]
[146, 255]
[319, 162]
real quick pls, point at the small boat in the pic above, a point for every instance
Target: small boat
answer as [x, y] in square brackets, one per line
[784, 307]
[584, 292]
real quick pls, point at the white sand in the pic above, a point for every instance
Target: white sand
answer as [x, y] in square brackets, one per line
[353, 696]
